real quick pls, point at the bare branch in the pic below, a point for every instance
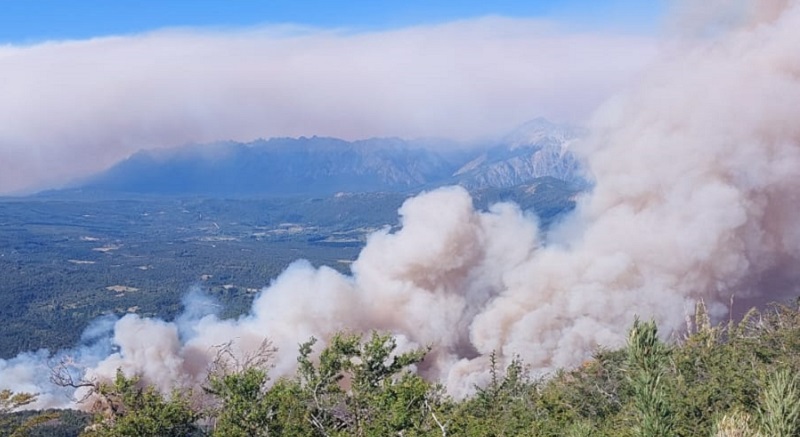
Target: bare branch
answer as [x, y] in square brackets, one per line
[63, 373]
[228, 361]
[435, 419]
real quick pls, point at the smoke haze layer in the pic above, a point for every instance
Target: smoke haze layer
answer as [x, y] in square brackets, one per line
[697, 188]
[71, 108]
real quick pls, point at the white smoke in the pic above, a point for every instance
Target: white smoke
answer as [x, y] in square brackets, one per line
[30, 372]
[697, 186]
[73, 108]
[426, 283]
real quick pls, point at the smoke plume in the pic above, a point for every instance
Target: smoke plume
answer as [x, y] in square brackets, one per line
[697, 186]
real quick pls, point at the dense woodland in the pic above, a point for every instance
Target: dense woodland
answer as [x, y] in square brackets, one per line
[734, 379]
[66, 262]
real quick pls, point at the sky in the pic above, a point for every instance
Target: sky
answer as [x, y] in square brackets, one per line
[32, 21]
[85, 84]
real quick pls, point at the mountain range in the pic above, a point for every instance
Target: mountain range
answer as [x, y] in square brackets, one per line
[322, 165]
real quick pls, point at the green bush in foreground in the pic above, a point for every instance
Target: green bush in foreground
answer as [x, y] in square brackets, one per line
[731, 380]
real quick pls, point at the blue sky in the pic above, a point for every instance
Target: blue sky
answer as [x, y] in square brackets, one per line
[31, 21]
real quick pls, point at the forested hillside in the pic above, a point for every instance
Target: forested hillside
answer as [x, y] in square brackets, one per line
[731, 379]
[69, 260]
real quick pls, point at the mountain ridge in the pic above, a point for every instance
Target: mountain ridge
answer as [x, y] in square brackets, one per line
[325, 165]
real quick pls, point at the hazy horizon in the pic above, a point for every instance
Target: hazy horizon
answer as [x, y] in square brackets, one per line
[99, 90]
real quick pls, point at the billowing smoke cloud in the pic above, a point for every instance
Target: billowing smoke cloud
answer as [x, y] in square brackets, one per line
[697, 186]
[74, 107]
[31, 372]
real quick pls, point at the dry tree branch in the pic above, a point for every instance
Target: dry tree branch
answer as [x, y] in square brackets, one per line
[62, 375]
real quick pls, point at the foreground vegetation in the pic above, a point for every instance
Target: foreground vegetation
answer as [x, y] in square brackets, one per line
[736, 379]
